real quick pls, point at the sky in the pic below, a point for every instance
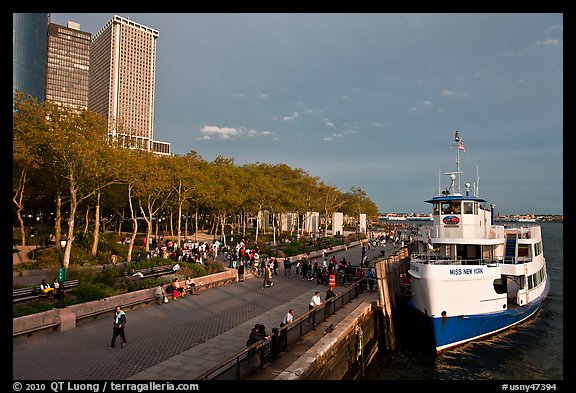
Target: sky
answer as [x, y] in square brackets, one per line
[370, 101]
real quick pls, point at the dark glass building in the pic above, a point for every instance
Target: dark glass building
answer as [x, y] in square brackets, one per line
[29, 53]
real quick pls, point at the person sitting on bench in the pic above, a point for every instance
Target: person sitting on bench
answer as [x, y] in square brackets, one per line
[46, 288]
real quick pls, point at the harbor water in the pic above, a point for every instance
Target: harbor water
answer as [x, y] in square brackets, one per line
[532, 350]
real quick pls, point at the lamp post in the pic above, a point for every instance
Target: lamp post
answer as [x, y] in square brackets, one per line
[61, 275]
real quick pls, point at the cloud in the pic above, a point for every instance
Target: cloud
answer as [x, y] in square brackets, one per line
[219, 132]
[262, 96]
[335, 135]
[222, 133]
[329, 124]
[448, 93]
[548, 42]
[427, 103]
[294, 116]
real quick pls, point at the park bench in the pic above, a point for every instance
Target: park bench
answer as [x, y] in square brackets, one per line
[30, 293]
[152, 272]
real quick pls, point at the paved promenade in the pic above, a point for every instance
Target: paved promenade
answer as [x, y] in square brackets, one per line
[178, 340]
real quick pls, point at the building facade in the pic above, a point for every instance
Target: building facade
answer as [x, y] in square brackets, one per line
[29, 47]
[68, 68]
[122, 74]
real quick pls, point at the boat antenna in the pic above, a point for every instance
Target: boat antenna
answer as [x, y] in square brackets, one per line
[477, 180]
[459, 146]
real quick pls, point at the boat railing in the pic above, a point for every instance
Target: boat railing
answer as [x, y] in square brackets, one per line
[432, 259]
[517, 260]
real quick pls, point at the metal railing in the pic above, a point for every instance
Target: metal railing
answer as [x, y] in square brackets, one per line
[247, 361]
[440, 260]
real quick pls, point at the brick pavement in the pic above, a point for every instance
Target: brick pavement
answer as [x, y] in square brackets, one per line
[169, 341]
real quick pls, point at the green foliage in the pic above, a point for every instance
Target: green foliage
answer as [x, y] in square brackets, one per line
[293, 248]
[87, 291]
[32, 307]
[109, 275]
[82, 240]
[136, 284]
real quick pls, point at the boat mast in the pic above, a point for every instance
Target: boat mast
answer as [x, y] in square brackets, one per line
[458, 172]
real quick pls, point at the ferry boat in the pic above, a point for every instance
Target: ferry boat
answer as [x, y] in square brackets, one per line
[470, 278]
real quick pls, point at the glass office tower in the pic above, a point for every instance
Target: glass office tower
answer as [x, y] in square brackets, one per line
[29, 50]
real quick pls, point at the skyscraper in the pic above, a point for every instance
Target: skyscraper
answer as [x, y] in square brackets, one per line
[29, 42]
[122, 72]
[68, 70]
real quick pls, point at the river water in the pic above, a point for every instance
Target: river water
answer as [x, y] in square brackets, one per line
[532, 350]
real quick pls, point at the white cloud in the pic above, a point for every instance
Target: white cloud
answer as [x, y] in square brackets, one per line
[294, 116]
[262, 96]
[345, 98]
[448, 93]
[210, 132]
[335, 135]
[329, 124]
[548, 42]
[219, 132]
[427, 103]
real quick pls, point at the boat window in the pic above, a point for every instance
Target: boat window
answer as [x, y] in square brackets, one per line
[453, 207]
[537, 248]
[435, 209]
[468, 208]
[523, 250]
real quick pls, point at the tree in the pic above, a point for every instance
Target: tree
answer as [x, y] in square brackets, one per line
[78, 141]
[27, 118]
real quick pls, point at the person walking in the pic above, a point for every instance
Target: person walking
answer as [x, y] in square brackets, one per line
[119, 324]
[267, 276]
[287, 267]
[241, 271]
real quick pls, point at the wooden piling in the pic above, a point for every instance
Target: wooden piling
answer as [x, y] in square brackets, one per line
[385, 302]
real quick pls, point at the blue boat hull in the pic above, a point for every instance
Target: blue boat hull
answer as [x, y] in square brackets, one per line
[449, 332]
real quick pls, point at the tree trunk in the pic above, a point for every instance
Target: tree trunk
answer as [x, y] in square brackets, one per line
[196, 224]
[18, 201]
[186, 223]
[179, 227]
[135, 222]
[58, 219]
[149, 230]
[223, 224]
[96, 226]
[86, 219]
[71, 221]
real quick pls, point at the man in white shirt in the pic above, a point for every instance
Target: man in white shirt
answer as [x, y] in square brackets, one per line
[288, 318]
[315, 301]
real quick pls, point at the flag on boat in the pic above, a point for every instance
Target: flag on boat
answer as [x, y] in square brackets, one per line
[461, 146]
